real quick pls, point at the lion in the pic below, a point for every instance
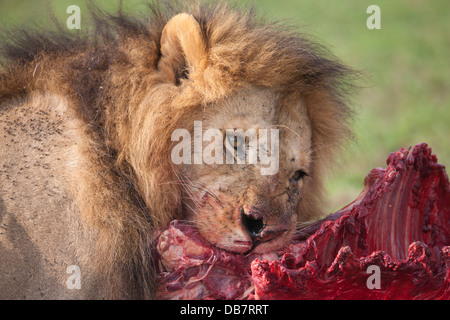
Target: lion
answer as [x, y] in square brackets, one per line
[87, 120]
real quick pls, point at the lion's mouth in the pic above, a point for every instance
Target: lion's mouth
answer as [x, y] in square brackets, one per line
[239, 228]
[265, 237]
[268, 240]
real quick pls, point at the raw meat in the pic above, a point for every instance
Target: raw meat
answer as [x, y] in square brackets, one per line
[392, 242]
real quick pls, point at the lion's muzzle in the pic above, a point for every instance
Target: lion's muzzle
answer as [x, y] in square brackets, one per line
[253, 222]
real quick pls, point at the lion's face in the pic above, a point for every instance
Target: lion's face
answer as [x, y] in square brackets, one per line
[242, 207]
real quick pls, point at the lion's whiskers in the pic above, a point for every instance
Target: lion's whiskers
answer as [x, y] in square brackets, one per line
[303, 224]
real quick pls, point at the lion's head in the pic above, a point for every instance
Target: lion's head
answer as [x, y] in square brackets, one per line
[223, 71]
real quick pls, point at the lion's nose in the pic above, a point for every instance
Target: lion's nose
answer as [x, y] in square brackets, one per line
[252, 221]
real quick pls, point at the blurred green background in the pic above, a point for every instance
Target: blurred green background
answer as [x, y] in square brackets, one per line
[405, 98]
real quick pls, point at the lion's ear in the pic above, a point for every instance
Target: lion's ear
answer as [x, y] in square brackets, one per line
[183, 50]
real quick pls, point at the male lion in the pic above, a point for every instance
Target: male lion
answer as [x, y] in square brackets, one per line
[86, 175]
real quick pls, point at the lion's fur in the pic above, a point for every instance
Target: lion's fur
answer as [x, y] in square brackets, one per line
[127, 99]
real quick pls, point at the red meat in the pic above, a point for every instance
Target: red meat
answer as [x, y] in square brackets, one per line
[392, 242]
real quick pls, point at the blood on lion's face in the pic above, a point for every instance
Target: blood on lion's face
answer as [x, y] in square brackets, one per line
[231, 199]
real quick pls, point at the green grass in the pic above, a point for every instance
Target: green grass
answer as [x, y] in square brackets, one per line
[406, 89]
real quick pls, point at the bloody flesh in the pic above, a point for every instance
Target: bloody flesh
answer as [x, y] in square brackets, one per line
[392, 242]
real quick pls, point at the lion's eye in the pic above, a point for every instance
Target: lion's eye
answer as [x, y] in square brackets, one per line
[235, 141]
[298, 175]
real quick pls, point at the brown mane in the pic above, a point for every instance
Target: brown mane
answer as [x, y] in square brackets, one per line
[110, 76]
